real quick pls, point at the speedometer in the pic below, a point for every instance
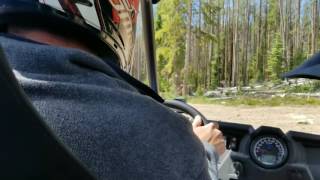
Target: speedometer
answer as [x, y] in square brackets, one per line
[269, 151]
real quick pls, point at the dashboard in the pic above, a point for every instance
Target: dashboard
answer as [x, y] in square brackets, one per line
[268, 153]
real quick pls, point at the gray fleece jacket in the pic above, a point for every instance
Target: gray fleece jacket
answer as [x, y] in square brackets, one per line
[115, 131]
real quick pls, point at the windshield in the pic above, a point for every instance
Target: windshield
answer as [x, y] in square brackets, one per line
[227, 59]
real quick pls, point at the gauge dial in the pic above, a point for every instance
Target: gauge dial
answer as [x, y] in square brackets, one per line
[269, 151]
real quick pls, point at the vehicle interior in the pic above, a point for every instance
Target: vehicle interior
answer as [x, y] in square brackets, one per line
[30, 149]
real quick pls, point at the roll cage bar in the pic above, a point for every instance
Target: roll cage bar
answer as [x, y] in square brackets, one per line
[148, 31]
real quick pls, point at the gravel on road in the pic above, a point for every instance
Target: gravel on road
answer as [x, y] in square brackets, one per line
[297, 118]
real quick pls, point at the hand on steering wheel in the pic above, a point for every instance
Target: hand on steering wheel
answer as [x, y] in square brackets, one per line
[205, 130]
[209, 133]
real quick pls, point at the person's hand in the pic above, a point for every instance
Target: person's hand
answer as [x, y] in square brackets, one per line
[209, 133]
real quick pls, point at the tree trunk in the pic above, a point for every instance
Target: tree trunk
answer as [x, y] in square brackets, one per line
[315, 18]
[188, 51]
[235, 43]
[246, 44]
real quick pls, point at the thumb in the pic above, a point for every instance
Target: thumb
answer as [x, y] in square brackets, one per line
[197, 121]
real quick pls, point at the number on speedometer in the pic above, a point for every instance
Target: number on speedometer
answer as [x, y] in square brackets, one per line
[269, 151]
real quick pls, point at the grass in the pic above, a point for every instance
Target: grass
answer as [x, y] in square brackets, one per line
[307, 88]
[253, 101]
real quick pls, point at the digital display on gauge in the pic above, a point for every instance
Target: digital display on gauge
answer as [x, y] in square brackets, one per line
[269, 151]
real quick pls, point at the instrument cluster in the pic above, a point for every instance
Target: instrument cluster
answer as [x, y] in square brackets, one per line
[269, 151]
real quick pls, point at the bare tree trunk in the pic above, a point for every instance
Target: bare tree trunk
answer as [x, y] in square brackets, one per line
[227, 45]
[288, 36]
[265, 43]
[188, 50]
[297, 27]
[282, 26]
[259, 45]
[219, 53]
[246, 44]
[235, 43]
[315, 18]
[210, 51]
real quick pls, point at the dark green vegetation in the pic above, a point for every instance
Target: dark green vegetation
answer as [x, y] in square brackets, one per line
[205, 44]
[312, 87]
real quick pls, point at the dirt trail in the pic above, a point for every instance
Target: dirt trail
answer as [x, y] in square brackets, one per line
[298, 118]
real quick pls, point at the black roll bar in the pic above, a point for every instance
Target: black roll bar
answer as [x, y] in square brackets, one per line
[148, 31]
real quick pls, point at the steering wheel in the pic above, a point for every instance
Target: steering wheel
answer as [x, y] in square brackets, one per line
[225, 164]
[185, 108]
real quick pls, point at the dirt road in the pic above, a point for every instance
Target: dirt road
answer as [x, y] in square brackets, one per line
[298, 118]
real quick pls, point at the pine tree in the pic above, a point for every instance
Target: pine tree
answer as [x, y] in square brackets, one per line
[275, 59]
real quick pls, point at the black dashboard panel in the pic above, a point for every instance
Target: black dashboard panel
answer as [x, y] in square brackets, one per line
[301, 161]
[234, 133]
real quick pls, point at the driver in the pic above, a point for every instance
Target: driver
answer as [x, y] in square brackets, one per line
[66, 55]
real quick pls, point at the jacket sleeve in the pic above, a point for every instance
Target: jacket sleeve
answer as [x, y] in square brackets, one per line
[212, 159]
